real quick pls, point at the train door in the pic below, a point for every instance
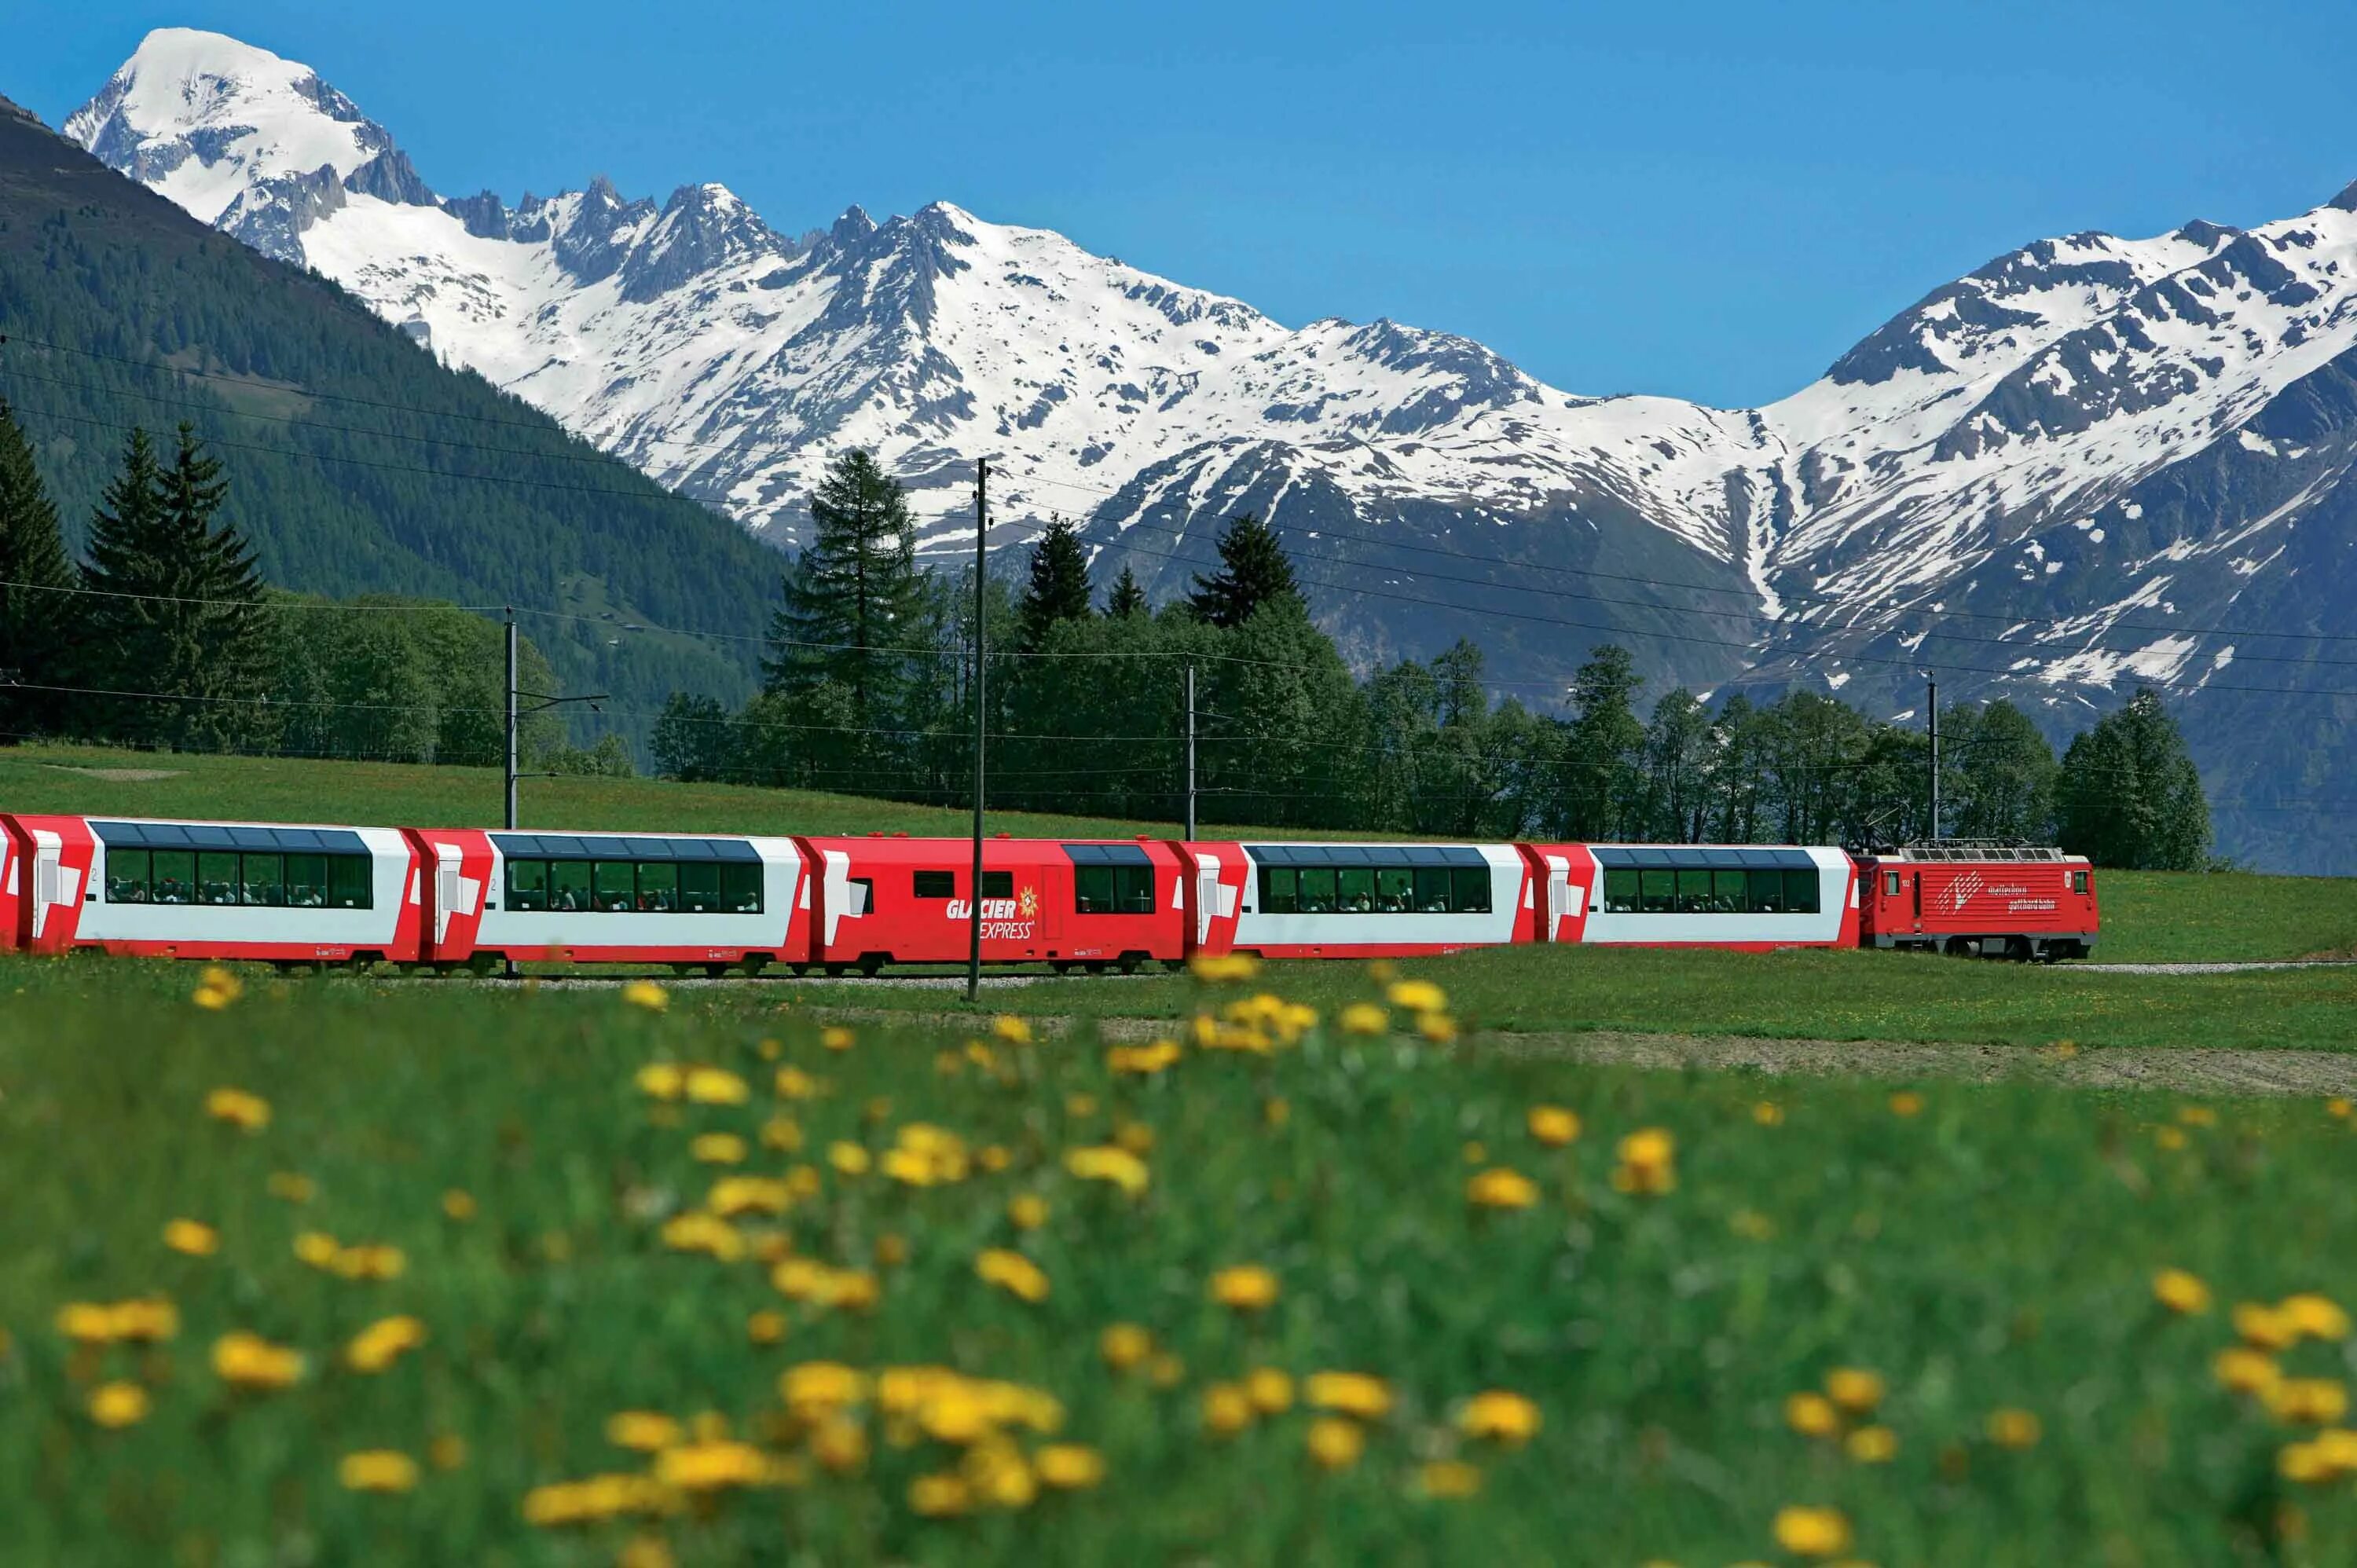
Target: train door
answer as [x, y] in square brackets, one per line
[1206, 895]
[1915, 879]
[55, 893]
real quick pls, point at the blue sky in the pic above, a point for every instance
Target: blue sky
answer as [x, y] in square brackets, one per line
[1707, 201]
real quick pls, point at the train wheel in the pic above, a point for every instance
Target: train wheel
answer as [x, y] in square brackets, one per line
[1131, 963]
[715, 970]
[755, 962]
[870, 963]
[837, 971]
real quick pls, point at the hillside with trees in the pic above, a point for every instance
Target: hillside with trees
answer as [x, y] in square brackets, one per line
[360, 464]
[867, 691]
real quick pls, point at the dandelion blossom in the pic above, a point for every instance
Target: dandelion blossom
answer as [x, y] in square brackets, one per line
[377, 1470]
[192, 1238]
[647, 995]
[1498, 1416]
[2181, 1292]
[1246, 1287]
[1335, 1443]
[118, 1404]
[1812, 1532]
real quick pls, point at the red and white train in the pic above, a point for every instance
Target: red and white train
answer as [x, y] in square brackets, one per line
[470, 897]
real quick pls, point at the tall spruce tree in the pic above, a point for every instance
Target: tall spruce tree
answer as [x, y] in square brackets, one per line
[37, 606]
[854, 598]
[2128, 794]
[179, 615]
[1128, 597]
[1059, 589]
[1253, 572]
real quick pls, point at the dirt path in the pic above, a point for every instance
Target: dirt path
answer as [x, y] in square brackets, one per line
[2186, 1070]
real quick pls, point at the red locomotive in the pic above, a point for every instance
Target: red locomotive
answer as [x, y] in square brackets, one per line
[470, 897]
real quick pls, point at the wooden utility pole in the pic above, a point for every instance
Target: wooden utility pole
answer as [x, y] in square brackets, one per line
[981, 574]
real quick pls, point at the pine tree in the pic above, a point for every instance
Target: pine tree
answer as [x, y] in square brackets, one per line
[36, 615]
[1059, 584]
[1128, 597]
[1253, 572]
[1602, 782]
[855, 598]
[178, 617]
[2128, 794]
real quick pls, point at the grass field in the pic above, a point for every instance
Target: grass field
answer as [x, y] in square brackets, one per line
[1988, 1253]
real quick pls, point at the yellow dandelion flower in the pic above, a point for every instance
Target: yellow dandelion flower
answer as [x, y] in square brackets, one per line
[1812, 1532]
[1353, 1393]
[381, 1343]
[2169, 1137]
[849, 1158]
[1768, 1113]
[191, 1237]
[2015, 1428]
[1906, 1103]
[718, 1148]
[766, 1326]
[646, 993]
[211, 998]
[1811, 1415]
[2316, 1316]
[1219, 968]
[1647, 1163]
[1143, 1061]
[840, 1445]
[2246, 1372]
[816, 1386]
[1011, 1029]
[1246, 1287]
[2308, 1402]
[1227, 1410]
[662, 1081]
[291, 1186]
[1277, 1110]
[780, 1133]
[247, 1112]
[890, 1252]
[2305, 1464]
[1012, 1272]
[1134, 1136]
[1448, 1479]
[1417, 996]
[716, 1086]
[1498, 1416]
[377, 1470]
[1166, 1371]
[1109, 1163]
[712, 1465]
[1364, 1018]
[1873, 1445]
[793, 1084]
[2181, 1292]
[118, 1404]
[1068, 1466]
[2263, 1327]
[1855, 1389]
[249, 1361]
[941, 1496]
[1000, 1476]
[2338, 1107]
[836, 1038]
[459, 1205]
[371, 1261]
[1125, 1345]
[1502, 1188]
[1270, 1390]
[447, 1452]
[2197, 1116]
[643, 1431]
[697, 1231]
[646, 1551]
[1553, 1124]
[1335, 1443]
[1027, 1210]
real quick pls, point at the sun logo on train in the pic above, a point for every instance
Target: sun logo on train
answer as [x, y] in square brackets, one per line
[1030, 902]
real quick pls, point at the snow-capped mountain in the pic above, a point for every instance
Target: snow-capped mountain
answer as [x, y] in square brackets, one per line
[2064, 472]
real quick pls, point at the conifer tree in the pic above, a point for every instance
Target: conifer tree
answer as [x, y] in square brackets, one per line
[1127, 598]
[37, 613]
[854, 596]
[178, 614]
[1253, 572]
[1059, 589]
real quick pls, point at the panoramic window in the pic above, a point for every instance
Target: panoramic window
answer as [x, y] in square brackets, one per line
[528, 884]
[657, 886]
[226, 877]
[126, 876]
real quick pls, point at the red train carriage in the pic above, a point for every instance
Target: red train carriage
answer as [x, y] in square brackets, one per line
[713, 901]
[1070, 904]
[1980, 898]
[1747, 897]
[1356, 900]
[246, 890]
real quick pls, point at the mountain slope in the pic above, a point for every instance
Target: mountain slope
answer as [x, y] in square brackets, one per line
[358, 462]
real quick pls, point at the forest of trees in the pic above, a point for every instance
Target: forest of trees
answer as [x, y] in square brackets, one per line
[168, 637]
[866, 690]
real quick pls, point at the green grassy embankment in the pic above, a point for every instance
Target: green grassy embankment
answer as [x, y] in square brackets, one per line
[1987, 1252]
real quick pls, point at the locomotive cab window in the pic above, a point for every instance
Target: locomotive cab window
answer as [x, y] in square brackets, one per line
[2078, 882]
[1890, 885]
